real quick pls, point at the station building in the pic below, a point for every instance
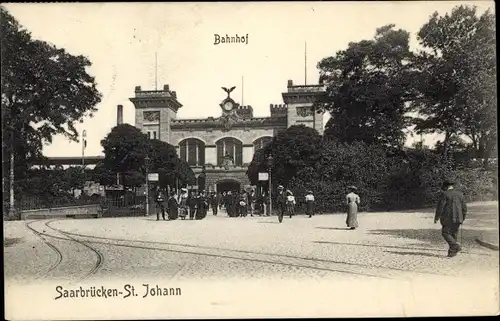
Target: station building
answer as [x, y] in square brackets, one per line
[223, 145]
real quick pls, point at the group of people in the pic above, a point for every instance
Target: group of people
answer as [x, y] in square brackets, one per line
[450, 212]
[196, 205]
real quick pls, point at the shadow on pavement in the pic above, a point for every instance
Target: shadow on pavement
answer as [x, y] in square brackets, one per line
[266, 222]
[11, 241]
[441, 248]
[414, 253]
[465, 235]
[334, 228]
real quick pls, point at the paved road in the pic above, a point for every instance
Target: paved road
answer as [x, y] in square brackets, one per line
[389, 249]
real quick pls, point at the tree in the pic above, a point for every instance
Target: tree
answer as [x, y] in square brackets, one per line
[125, 151]
[368, 85]
[293, 151]
[458, 78]
[45, 90]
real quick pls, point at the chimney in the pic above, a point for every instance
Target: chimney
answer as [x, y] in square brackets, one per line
[290, 83]
[119, 115]
[166, 88]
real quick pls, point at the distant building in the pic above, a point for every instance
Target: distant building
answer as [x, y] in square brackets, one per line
[223, 145]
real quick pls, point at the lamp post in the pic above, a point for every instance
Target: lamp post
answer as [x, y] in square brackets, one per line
[146, 160]
[84, 144]
[270, 164]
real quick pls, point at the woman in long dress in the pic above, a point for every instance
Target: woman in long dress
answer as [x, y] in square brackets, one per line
[353, 201]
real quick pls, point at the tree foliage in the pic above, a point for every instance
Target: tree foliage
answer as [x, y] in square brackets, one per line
[457, 82]
[126, 150]
[293, 151]
[45, 90]
[368, 85]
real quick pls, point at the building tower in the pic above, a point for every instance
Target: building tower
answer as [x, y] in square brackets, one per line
[299, 100]
[154, 110]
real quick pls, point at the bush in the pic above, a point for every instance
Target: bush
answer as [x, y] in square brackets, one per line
[386, 179]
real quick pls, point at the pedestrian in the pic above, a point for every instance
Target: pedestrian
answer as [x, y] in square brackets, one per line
[229, 204]
[251, 201]
[214, 203]
[202, 207]
[223, 200]
[192, 204]
[310, 203]
[160, 203]
[173, 206]
[451, 211]
[290, 203]
[243, 202]
[353, 201]
[280, 202]
[183, 203]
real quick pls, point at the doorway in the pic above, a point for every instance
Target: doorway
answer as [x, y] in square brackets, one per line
[228, 185]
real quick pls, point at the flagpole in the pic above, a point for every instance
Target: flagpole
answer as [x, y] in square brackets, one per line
[242, 84]
[305, 63]
[156, 71]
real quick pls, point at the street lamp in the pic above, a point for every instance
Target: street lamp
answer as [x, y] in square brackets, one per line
[270, 164]
[146, 160]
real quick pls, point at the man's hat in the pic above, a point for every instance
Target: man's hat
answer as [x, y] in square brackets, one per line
[352, 187]
[280, 187]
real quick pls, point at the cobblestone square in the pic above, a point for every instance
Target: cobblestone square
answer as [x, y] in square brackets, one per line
[389, 249]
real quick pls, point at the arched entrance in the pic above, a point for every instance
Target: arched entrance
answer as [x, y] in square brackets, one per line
[228, 185]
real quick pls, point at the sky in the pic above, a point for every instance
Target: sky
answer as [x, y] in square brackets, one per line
[122, 39]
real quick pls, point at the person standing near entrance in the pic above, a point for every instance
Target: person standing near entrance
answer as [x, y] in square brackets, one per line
[353, 201]
[251, 201]
[201, 211]
[173, 206]
[160, 202]
[229, 204]
[214, 202]
[451, 211]
[193, 204]
[281, 203]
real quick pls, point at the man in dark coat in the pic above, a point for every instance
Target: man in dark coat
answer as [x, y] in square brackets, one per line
[214, 202]
[280, 203]
[160, 202]
[451, 211]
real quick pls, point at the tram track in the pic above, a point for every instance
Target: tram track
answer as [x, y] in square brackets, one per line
[50, 245]
[99, 256]
[276, 258]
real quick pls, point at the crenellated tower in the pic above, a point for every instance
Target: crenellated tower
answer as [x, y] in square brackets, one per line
[299, 100]
[154, 111]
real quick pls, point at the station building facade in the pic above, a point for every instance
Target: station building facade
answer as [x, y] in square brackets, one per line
[223, 146]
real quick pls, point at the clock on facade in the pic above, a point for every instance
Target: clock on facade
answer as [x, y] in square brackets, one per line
[228, 106]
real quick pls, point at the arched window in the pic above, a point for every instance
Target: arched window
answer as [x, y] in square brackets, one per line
[192, 150]
[230, 148]
[261, 142]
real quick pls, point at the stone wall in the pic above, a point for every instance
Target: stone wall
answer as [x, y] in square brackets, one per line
[77, 211]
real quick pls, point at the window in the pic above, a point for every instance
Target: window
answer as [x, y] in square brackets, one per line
[192, 151]
[153, 134]
[261, 142]
[231, 147]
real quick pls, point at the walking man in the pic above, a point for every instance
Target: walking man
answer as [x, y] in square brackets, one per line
[451, 211]
[214, 202]
[281, 203]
